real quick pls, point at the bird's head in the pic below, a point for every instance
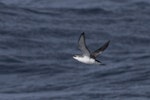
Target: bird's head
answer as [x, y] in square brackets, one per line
[76, 57]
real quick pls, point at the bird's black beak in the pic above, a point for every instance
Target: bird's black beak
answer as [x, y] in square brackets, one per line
[74, 56]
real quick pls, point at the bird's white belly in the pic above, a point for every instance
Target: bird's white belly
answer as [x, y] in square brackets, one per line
[86, 60]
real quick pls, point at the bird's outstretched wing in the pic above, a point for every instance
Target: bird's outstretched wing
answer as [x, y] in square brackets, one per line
[100, 50]
[82, 45]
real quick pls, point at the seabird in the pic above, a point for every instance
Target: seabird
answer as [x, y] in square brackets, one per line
[88, 57]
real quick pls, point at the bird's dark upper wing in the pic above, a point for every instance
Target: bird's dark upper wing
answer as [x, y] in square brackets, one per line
[82, 45]
[100, 50]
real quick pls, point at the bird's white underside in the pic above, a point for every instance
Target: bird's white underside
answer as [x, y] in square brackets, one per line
[85, 59]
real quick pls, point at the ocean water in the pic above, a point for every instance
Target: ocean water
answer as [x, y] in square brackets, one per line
[39, 37]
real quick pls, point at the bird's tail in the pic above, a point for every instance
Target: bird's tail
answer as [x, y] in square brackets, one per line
[98, 62]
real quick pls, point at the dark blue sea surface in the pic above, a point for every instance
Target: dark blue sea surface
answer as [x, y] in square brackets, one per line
[39, 37]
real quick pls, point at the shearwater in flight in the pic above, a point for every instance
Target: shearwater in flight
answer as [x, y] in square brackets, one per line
[88, 57]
